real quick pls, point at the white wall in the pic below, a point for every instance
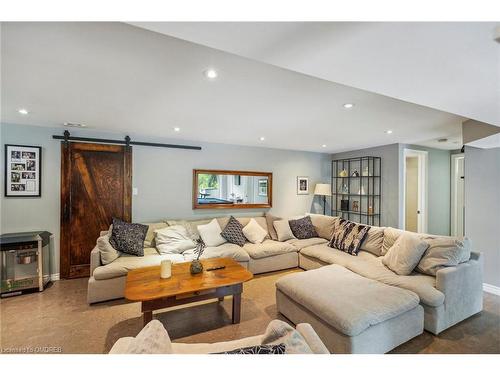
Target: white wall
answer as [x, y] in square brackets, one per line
[163, 178]
[482, 207]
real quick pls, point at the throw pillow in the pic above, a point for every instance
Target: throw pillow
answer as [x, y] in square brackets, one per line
[270, 219]
[283, 230]
[258, 349]
[173, 240]
[108, 252]
[405, 254]
[374, 241]
[303, 228]
[153, 339]
[149, 241]
[210, 234]
[323, 224]
[348, 236]
[128, 237]
[443, 252]
[390, 236]
[233, 232]
[254, 232]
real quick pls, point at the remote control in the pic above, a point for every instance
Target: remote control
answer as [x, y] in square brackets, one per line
[216, 268]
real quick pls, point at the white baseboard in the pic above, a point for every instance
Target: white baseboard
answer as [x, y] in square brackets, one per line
[54, 277]
[491, 289]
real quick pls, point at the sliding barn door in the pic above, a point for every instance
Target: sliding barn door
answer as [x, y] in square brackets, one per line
[96, 183]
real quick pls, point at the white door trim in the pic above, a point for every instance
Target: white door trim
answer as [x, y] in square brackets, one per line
[454, 206]
[423, 172]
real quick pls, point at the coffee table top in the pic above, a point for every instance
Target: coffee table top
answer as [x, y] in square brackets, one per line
[145, 284]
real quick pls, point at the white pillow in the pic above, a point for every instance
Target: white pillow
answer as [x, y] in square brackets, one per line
[210, 233]
[405, 254]
[283, 230]
[173, 240]
[153, 339]
[254, 232]
[108, 252]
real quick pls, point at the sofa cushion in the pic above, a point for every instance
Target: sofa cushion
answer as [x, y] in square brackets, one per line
[128, 237]
[324, 225]
[254, 232]
[270, 219]
[405, 254]
[346, 301]
[348, 236]
[326, 254]
[149, 241]
[233, 232]
[374, 240]
[423, 285]
[443, 252]
[268, 248]
[108, 253]
[191, 226]
[173, 239]
[126, 262]
[283, 230]
[390, 236]
[226, 250]
[300, 244]
[210, 233]
[303, 228]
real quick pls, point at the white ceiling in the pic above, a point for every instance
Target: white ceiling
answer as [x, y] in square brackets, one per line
[116, 77]
[450, 66]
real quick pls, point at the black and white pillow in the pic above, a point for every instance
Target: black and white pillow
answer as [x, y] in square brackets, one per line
[259, 349]
[233, 232]
[348, 236]
[128, 237]
[303, 228]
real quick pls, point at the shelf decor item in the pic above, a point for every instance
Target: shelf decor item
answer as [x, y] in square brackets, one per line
[196, 266]
[357, 189]
[23, 171]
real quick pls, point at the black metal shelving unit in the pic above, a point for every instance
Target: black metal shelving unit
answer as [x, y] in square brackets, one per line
[364, 188]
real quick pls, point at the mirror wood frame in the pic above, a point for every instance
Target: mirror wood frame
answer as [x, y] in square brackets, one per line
[234, 206]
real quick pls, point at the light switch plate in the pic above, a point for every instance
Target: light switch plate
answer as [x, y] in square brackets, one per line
[135, 191]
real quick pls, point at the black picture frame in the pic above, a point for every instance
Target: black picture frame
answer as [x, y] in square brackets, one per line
[8, 162]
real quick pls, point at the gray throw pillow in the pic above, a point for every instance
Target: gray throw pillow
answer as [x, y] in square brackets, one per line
[405, 254]
[233, 232]
[303, 228]
[128, 237]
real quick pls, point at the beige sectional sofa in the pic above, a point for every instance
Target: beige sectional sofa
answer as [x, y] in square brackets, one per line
[453, 294]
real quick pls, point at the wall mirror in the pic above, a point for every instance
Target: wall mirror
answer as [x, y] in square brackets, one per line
[231, 189]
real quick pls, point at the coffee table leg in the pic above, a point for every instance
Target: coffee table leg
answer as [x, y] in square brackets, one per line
[236, 308]
[147, 317]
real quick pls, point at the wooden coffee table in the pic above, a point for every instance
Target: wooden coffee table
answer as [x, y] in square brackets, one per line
[145, 285]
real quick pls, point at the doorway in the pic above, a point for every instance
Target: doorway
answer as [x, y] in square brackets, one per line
[415, 170]
[457, 195]
[96, 181]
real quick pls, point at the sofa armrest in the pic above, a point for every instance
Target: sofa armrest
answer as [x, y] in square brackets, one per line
[95, 260]
[462, 285]
[312, 338]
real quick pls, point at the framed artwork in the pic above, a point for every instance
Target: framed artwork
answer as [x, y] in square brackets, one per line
[263, 187]
[302, 185]
[23, 171]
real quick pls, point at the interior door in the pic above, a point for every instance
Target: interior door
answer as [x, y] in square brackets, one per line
[457, 195]
[96, 182]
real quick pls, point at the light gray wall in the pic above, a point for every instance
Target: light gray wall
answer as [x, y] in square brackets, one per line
[482, 207]
[163, 178]
[439, 179]
[390, 179]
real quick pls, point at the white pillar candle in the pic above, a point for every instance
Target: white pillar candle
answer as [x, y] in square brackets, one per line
[166, 269]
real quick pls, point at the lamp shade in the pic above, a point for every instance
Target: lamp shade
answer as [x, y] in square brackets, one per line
[323, 189]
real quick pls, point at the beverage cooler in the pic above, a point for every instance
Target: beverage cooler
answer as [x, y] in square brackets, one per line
[25, 262]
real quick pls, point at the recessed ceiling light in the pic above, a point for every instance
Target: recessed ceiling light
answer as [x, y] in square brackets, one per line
[262, 139]
[211, 74]
[23, 111]
[348, 105]
[323, 146]
[388, 132]
[74, 125]
[176, 129]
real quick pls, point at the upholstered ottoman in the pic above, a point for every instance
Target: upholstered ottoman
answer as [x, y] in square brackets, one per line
[350, 313]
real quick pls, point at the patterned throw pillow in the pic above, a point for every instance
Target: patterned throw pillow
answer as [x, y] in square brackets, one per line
[259, 349]
[128, 237]
[303, 228]
[233, 232]
[348, 236]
